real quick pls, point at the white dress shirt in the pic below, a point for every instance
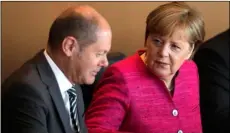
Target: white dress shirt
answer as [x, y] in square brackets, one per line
[63, 83]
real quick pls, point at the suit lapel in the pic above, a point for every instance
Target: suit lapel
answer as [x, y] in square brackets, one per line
[80, 109]
[59, 104]
[49, 79]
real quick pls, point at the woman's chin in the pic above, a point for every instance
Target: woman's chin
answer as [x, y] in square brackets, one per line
[162, 74]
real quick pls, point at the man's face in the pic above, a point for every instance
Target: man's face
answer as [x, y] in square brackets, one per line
[88, 62]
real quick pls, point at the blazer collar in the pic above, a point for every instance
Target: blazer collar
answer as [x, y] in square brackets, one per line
[48, 78]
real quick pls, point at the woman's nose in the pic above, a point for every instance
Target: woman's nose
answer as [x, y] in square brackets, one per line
[163, 51]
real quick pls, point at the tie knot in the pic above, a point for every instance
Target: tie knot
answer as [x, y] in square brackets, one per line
[72, 91]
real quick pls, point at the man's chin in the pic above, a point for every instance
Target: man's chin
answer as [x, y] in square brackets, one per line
[89, 81]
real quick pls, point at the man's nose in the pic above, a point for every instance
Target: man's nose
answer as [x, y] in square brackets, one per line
[105, 62]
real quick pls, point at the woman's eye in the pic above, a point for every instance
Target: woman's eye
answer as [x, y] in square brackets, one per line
[157, 42]
[175, 47]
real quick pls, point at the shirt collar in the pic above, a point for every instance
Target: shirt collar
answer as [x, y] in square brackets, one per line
[63, 83]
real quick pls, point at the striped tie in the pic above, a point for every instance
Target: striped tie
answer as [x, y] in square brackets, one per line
[73, 108]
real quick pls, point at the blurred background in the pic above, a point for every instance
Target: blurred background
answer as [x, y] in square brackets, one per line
[25, 25]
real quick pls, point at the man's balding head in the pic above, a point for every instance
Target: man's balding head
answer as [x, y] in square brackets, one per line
[81, 22]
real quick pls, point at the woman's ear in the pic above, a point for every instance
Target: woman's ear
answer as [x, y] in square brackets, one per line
[69, 44]
[190, 52]
[147, 42]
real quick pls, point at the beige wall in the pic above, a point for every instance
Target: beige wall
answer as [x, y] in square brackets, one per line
[25, 25]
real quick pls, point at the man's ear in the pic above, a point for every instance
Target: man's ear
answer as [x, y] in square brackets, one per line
[69, 45]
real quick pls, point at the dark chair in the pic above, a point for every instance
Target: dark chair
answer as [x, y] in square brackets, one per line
[88, 90]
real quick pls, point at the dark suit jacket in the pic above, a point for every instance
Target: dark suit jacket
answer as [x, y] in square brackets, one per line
[32, 101]
[213, 63]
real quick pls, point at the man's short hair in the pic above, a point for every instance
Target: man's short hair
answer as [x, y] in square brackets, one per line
[75, 25]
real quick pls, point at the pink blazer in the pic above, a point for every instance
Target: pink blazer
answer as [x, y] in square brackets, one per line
[131, 99]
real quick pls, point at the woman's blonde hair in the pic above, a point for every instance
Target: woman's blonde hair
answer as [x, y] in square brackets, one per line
[172, 16]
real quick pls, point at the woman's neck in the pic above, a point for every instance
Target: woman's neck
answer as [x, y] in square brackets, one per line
[169, 83]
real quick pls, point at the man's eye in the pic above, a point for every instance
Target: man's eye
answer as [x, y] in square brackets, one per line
[98, 54]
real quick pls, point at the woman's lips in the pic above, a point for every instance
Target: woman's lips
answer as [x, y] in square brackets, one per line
[162, 63]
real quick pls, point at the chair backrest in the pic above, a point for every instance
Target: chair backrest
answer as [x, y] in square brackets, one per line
[88, 90]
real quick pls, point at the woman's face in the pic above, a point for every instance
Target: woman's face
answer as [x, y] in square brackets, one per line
[165, 55]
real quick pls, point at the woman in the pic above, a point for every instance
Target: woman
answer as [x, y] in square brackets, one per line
[156, 90]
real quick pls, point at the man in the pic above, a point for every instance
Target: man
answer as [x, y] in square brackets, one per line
[213, 63]
[43, 96]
